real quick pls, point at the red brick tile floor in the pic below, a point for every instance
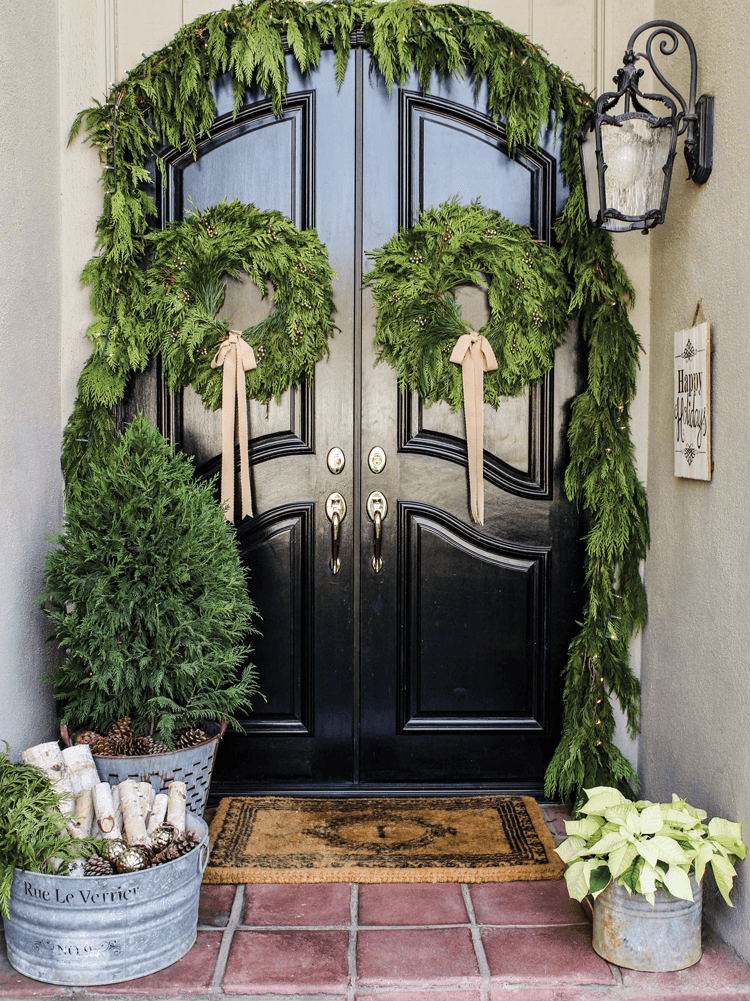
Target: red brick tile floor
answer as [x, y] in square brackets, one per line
[403, 942]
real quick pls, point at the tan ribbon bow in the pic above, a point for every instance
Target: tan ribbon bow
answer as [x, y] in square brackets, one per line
[237, 357]
[474, 354]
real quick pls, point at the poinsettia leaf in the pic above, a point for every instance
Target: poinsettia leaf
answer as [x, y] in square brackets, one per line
[609, 843]
[724, 873]
[582, 828]
[599, 880]
[622, 858]
[651, 820]
[570, 849]
[577, 878]
[661, 849]
[603, 800]
[677, 882]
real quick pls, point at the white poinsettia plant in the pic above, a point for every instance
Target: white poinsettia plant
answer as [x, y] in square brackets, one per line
[647, 846]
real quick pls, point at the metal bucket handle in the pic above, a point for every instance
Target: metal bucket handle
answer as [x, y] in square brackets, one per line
[202, 859]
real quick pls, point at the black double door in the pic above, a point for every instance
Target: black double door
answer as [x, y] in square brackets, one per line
[443, 669]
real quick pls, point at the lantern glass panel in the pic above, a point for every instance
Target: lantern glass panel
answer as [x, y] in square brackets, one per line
[591, 176]
[636, 153]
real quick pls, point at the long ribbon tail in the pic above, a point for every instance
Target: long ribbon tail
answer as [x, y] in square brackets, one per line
[228, 397]
[246, 498]
[237, 357]
[475, 355]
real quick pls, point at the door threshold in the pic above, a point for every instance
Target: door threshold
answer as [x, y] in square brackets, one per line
[372, 789]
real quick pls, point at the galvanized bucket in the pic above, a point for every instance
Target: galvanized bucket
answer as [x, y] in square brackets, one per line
[629, 932]
[84, 931]
[192, 765]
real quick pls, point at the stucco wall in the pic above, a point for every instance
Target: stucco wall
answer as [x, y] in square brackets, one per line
[30, 266]
[696, 677]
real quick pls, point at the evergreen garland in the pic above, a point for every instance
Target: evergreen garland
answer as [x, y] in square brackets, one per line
[168, 97]
[186, 291]
[415, 278]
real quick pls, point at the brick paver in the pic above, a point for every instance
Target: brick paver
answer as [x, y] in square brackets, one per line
[404, 942]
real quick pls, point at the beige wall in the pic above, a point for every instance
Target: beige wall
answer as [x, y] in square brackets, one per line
[30, 266]
[696, 678]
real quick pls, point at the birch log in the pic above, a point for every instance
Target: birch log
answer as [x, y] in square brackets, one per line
[133, 822]
[158, 812]
[104, 808]
[176, 806]
[49, 759]
[80, 767]
[82, 818]
[118, 808]
[146, 793]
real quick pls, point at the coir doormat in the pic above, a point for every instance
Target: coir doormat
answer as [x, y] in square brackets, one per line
[467, 839]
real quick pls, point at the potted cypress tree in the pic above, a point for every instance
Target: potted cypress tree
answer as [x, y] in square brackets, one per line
[150, 609]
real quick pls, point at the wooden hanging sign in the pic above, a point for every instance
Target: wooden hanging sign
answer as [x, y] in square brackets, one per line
[692, 402]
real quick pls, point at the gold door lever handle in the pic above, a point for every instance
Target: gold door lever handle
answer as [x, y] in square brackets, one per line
[335, 512]
[377, 509]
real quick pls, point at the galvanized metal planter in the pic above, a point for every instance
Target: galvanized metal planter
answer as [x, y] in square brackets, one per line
[105, 929]
[629, 932]
[192, 765]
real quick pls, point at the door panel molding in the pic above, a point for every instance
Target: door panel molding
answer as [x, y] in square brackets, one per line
[430, 663]
[255, 123]
[284, 537]
[413, 436]
[537, 170]
[416, 109]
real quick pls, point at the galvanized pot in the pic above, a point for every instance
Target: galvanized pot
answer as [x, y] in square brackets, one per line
[105, 929]
[192, 765]
[629, 932]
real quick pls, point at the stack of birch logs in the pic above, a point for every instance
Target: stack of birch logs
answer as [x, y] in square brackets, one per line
[131, 813]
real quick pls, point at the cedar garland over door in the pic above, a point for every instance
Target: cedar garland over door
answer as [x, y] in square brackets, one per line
[443, 669]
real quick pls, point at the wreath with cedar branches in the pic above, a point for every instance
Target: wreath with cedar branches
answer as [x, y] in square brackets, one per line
[186, 282]
[415, 279]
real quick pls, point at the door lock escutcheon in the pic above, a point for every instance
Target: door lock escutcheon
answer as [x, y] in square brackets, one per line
[377, 509]
[335, 512]
[376, 460]
[336, 460]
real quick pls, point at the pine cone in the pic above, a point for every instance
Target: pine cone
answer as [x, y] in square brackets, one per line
[189, 737]
[133, 859]
[97, 866]
[121, 731]
[181, 845]
[185, 843]
[141, 745]
[169, 854]
[162, 838]
[113, 848]
[158, 747]
[97, 743]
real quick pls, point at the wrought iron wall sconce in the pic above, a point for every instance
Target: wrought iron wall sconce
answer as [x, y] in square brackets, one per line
[627, 155]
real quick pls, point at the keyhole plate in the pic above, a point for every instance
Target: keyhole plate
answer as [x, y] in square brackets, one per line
[376, 460]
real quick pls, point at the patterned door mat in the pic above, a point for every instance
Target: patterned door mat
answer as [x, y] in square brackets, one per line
[476, 839]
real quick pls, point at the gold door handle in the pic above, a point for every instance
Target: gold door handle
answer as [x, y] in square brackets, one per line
[377, 509]
[335, 512]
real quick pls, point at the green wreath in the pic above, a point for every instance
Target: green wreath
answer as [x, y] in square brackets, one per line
[190, 261]
[415, 279]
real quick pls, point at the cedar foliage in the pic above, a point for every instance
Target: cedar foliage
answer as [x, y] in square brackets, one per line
[415, 279]
[147, 596]
[185, 285]
[168, 98]
[32, 829]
